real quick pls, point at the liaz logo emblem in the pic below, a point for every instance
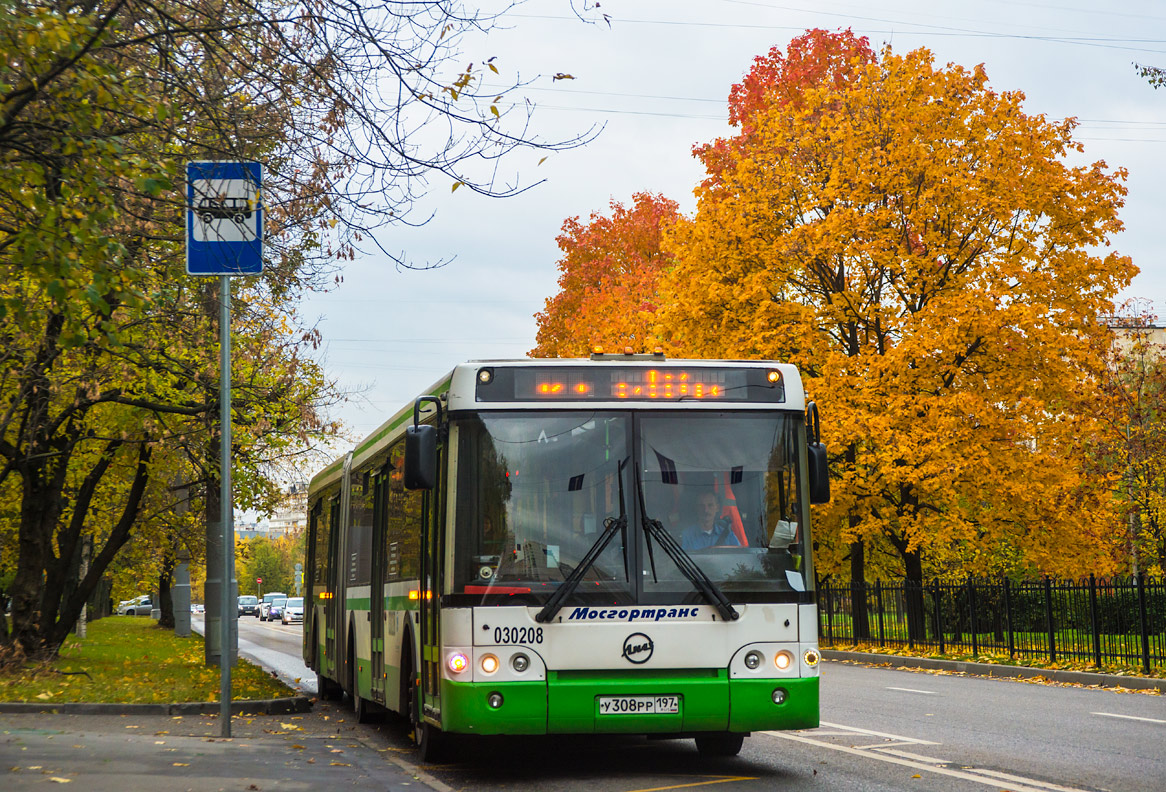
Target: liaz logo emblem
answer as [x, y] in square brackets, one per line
[637, 648]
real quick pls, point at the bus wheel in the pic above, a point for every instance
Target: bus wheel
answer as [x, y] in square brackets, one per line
[327, 690]
[431, 742]
[721, 744]
[363, 708]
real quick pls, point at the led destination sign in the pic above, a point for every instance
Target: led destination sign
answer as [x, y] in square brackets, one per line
[612, 383]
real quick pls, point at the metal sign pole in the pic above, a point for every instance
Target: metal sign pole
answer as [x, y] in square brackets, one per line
[227, 500]
[224, 237]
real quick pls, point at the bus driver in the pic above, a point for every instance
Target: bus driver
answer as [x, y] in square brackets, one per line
[709, 531]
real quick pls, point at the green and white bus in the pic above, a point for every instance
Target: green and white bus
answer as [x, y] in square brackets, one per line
[613, 545]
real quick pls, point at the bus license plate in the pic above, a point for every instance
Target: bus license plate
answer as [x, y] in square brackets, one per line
[639, 705]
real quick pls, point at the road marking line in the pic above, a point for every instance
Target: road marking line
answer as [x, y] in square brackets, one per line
[966, 775]
[1009, 777]
[856, 730]
[883, 744]
[913, 690]
[915, 756]
[720, 780]
[1127, 717]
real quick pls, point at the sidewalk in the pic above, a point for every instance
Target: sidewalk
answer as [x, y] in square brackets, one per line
[318, 750]
[1000, 671]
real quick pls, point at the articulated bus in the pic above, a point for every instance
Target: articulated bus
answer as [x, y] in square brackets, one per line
[618, 544]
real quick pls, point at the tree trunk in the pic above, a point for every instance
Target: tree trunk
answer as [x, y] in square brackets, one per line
[858, 610]
[916, 610]
[165, 600]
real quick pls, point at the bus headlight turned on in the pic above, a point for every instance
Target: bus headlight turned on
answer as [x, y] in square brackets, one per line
[457, 663]
[489, 664]
[783, 660]
[520, 662]
[812, 657]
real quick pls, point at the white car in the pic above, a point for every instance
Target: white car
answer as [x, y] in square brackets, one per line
[140, 606]
[293, 610]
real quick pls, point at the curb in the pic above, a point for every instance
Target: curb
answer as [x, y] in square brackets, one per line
[280, 706]
[1002, 671]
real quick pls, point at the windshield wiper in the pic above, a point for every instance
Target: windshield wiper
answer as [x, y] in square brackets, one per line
[689, 568]
[610, 526]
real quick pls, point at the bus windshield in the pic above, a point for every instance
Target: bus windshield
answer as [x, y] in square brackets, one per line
[533, 495]
[725, 485]
[536, 490]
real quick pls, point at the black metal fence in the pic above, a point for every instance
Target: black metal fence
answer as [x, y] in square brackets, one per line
[1115, 622]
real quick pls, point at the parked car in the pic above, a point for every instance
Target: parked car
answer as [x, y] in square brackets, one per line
[248, 605]
[268, 598]
[197, 607]
[275, 609]
[293, 610]
[140, 606]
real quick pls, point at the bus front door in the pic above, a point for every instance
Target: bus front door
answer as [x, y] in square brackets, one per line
[432, 570]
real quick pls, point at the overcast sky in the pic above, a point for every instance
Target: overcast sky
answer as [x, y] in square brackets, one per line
[657, 79]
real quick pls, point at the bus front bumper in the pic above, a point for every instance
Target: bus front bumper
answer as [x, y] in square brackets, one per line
[570, 704]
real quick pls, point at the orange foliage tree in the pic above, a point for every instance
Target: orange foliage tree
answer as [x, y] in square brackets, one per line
[924, 250]
[607, 286]
[779, 79]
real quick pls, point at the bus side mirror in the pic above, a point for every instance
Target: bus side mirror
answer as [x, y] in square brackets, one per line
[816, 459]
[420, 457]
[819, 473]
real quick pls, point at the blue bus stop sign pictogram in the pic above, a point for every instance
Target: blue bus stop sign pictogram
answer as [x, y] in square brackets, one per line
[224, 218]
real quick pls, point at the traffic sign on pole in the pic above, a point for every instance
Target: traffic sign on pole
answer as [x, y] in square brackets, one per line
[224, 218]
[224, 237]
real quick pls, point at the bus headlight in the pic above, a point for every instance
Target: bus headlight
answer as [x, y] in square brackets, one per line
[779, 695]
[458, 662]
[783, 660]
[489, 664]
[494, 700]
[812, 656]
[753, 660]
[520, 662]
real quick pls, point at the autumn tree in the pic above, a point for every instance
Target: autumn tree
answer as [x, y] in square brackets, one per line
[925, 251]
[271, 559]
[608, 278]
[107, 377]
[1132, 452]
[817, 58]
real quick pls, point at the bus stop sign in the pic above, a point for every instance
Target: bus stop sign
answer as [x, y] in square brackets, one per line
[224, 218]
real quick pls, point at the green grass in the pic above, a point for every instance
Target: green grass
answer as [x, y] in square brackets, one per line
[129, 660]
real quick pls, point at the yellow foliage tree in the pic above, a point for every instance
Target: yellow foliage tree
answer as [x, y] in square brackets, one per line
[924, 250]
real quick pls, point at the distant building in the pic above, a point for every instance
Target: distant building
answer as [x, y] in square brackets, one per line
[292, 513]
[288, 518]
[1129, 331]
[249, 528]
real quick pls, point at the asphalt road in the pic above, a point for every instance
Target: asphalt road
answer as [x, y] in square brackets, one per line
[275, 646]
[881, 730]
